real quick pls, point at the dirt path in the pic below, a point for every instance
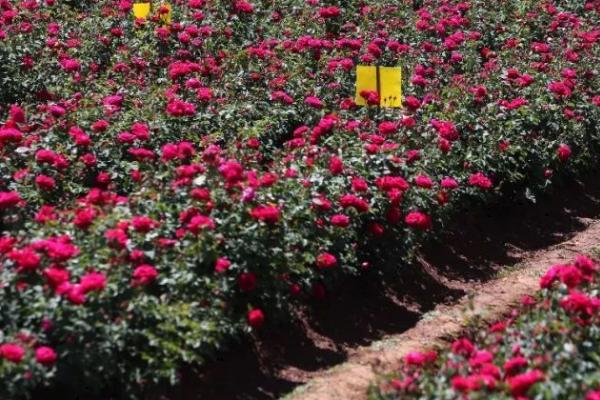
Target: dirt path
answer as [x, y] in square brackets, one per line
[487, 301]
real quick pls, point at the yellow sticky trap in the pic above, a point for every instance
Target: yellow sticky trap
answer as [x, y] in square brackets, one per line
[390, 82]
[366, 79]
[166, 18]
[141, 10]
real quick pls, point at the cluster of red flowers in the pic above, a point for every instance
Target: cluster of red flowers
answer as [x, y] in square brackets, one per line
[513, 355]
[15, 353]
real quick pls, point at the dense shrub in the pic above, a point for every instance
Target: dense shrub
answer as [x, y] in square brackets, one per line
[547, 349]
[165, 188]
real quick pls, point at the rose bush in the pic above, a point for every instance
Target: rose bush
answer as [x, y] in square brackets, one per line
[165, 187]
[548, 348]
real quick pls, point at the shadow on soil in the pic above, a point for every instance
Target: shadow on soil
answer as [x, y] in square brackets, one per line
[473, 249]
[476, 247]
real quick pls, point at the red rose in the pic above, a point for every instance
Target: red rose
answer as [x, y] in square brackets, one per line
[295, 289]
[56, 276]
[549, 277]
[480, 180]
[585, 264]
[350, 200]
[256, 318]
[268, 214]
[244, 7]
[359, 185]
[143, 224]
[480, 358]
[423, 181]
[340, 220]
[370, 96]
[180, 108]
[12, 352]
[26, 259]
[465, 384]
[520, 384]
[100, 125]
[336, 165]
[45, 355]
[412, 103]
[593, 395]
[462, 347]
[74, 293]
[560, 89]
[17, 114]
[388, 128]
[580, 303]
[222, 264]
[329, 12]
[144, 275]
[10, 135]
[84, 218]
[232, 171]
[563, 152]
[418, 220]
[326, 260]
[512, 366]
[446, 130]
[389, 182]
[314, 102]
[9, 199]
[444, 145]
[199, 223]
[449, 183]
[204, 94]
[93, 281]
[570, 275]
[418, 358]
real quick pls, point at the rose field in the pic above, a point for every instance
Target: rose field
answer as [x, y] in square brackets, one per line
[174, 184]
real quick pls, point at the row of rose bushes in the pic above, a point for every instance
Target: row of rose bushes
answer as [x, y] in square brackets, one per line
[547, 348]
[163, 189]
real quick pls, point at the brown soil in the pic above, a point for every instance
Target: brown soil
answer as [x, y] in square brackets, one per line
[481, 267]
